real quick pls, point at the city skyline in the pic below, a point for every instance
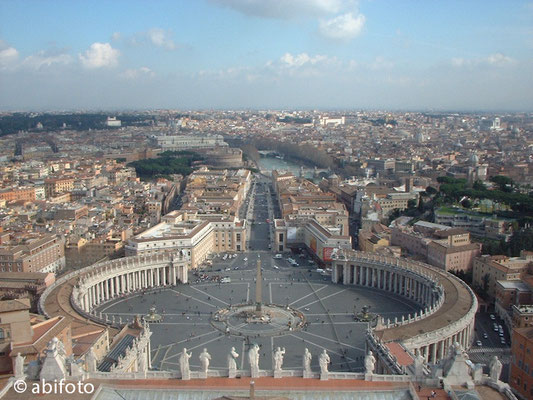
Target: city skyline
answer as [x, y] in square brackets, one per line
[219, 54]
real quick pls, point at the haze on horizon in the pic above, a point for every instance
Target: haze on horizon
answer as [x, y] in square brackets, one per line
[257, 54]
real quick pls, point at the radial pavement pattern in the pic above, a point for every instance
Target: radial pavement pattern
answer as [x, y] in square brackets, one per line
[320, 314]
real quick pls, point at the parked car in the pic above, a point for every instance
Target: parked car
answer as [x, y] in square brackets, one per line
[478, 343]
[492, 317]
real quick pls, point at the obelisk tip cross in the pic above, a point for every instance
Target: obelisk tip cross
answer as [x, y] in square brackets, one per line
[258, 288]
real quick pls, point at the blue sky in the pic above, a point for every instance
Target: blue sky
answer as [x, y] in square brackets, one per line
[266, 54]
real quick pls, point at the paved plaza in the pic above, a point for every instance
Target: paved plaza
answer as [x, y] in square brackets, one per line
[321, 311]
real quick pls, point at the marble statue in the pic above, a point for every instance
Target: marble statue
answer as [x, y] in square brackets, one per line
[142, 361]
[307, 361]
[184, 364]
[232, 364]
[419, 364]
[370, 363]
[253, 359]
[19, 367]
[278, 358]
[91, 361]
[205, 357]
[54, 363]
[495, 368]
[324, 361]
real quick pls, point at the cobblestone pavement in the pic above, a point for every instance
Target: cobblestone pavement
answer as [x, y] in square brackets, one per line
[328, 309]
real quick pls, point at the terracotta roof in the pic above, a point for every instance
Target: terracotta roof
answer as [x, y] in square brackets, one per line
[14, 305]
[82, 345]
[400, 353]
[42, 334]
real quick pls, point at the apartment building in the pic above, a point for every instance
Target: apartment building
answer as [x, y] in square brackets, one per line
[381, 166]
[45, 253]
[453, 251]
[72, 212]
[303, 199]
[439, 245]
[30, 285]
[14, 325]
[521, 378]
[300, 231]
[55, 186]
[487, 270]
[17, 194]
[198, 235]
[216, 191]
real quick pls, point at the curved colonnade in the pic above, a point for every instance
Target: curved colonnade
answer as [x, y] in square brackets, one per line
[102, 282]
[448, 304]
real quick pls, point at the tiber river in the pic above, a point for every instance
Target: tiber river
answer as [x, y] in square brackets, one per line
[268, 164]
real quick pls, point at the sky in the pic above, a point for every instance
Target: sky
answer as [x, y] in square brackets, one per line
[449, 55]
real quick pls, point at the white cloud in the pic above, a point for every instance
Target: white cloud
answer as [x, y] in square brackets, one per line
[100, 55]
[499, 59]
[299, 60]
[138, 73]
[458, 61]
[159, 38]
[496, 59]
[343, 27]
[285, 8]
[8, 55]
[156, 36]
[47, 59]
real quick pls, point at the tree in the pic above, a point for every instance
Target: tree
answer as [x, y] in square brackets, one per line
[504, 183]
[431, 190]
[466, 203]
[521, 240]
[478, 185]
[420, 205]
[411, 203]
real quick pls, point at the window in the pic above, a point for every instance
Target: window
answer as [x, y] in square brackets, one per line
[2, 334]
